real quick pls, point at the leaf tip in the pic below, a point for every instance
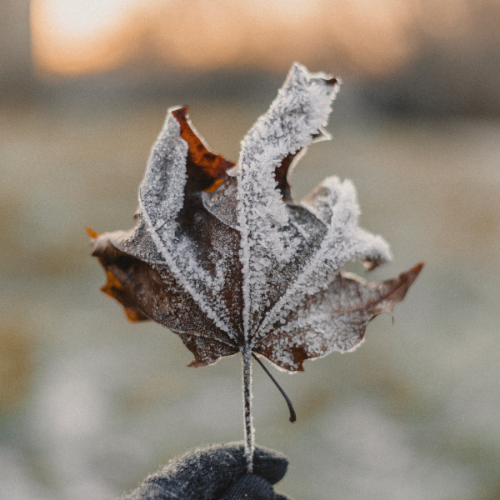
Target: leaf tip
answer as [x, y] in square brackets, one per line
[401, 286]
[206, 170]
[334, 82]
[180, 113]
[93, 234]
[196, 362]
[411, 275]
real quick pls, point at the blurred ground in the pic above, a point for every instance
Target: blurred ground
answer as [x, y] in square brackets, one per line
[91, 403]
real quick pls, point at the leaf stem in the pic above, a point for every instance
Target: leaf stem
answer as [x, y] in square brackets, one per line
[247, 403]
[293, 415]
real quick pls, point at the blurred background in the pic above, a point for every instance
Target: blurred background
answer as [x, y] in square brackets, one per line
[90, 403]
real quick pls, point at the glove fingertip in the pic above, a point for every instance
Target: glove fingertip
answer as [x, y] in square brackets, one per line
[251, 487]
[270, 464]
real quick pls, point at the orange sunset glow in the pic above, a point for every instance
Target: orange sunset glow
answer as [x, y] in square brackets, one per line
[72, 37]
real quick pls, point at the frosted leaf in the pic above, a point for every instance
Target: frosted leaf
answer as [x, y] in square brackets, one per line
[175, 231]
[334, 319]
[161, 193]
[222, 254]
[335, 204]
[294, 119]
[139, 279]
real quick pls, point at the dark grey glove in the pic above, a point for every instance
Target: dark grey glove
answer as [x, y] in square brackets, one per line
[215, 473]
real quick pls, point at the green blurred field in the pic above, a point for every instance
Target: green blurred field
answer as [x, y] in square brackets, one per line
[91, 403]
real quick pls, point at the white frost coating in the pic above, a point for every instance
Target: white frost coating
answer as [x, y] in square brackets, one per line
[161, 197]
[162, 189]
[294, 118]
[247, 409]
[336, 205]
[335, 320]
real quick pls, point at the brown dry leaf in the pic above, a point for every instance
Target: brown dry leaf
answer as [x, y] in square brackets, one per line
[224, 257]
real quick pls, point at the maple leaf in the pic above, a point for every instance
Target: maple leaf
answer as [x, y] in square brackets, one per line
[223, 256]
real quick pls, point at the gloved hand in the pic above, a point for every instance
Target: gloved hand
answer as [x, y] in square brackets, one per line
[215, 473]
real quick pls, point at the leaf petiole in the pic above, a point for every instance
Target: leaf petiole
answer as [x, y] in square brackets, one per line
[247, 404]
[293, 415]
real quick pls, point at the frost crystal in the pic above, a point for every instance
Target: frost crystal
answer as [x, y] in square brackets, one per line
[223, 256]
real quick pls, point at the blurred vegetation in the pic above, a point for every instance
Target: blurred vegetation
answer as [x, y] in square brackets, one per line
[16, 367]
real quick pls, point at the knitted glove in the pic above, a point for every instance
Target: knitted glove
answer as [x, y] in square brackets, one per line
[215, 473]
